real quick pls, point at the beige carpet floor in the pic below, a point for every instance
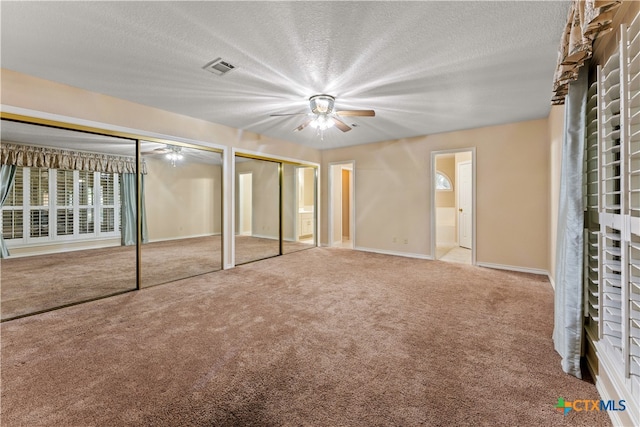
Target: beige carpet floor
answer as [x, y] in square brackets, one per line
[322, 337]
[42, 282]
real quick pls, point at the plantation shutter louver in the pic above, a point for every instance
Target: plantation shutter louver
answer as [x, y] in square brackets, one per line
[108, 188]
[39, 202]
[86, 201]
[64, 202]
[12, 211]
[592, 230]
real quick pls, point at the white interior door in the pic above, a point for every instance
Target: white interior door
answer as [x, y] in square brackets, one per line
[465, 204]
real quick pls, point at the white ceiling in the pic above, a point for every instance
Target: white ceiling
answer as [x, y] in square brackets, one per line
[424, 67]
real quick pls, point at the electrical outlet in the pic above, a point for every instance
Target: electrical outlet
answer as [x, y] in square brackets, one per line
[406, 241]
[395, 240]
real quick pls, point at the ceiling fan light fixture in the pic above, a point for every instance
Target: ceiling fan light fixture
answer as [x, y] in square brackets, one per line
[323, 116]
[174, 155]
[322, 122]
[322, 104]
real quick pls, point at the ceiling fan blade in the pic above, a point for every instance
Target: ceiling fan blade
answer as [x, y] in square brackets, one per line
[341, 125]
[349, 113]
[303, 125]
[288, 114]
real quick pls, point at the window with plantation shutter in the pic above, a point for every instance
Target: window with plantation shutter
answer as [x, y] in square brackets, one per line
[631, 129]
[618, 315]
[84, 204]
[108, 196]
[64, 202]
[592, 229]
[611, 183]
[39, 202]
[12, 211]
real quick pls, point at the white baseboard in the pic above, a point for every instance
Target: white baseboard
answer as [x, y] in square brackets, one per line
[605, 395]
[264, 236]
[513, 268]
[48, 248]
[553, 282]
[168, 239]
[385, 252]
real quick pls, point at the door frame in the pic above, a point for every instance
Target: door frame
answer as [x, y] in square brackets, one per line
[352, 198]
[230, 175]
[432, 190]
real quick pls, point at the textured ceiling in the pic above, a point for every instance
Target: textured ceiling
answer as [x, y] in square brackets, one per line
[424, 67]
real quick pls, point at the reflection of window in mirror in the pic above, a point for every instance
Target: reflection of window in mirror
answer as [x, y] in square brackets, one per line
[443, 182]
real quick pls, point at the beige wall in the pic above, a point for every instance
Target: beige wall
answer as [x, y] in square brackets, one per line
[392, 191]
[20, 90]
[309, 188]
[182, 201]
[392, 179]
[446, 164]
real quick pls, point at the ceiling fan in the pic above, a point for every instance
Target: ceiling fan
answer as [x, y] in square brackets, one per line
[172, 153]
[323, 116]
[163, 150]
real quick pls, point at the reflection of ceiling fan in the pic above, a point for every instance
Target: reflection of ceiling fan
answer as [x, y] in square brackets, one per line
[323, 116]
[163, 150]
[172, 153]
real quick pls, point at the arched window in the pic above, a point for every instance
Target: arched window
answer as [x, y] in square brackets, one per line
[443, 182]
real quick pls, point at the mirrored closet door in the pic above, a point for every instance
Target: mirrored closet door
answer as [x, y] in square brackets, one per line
[62, 199]
[257, 209]
[298, 203]
[181, 206]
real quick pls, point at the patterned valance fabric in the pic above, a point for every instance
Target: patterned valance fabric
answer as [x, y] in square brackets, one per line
[54, 158]
[587, 20]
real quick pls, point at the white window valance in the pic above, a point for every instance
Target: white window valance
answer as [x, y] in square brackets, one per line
[587, 20]
[55, 158]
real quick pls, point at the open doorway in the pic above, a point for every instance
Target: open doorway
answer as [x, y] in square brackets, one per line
[341, 209]
[453, 206]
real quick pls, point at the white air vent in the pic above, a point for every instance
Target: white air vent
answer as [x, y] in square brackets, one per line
[219, 67]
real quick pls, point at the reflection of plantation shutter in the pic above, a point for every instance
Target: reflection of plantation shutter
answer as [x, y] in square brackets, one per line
[64, 202]
[86, 201]
[83, 205]
[16, 193]
[12, 215]
[108, 187]
[39, 202]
